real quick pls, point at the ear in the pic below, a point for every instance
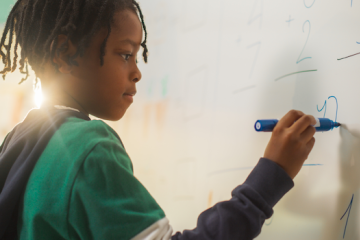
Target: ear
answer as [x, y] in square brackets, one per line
[61, 60]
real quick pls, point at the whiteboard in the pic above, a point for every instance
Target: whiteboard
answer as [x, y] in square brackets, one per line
[215, 67]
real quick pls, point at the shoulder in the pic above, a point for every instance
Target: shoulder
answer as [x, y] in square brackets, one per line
[104, 144]
[92, 132]
[80, 139]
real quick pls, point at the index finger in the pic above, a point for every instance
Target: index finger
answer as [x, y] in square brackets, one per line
[289, 119]
[303, 123]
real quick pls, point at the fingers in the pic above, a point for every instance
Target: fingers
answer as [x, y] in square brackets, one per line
[303, 123]
[289, 119]
[310, 144]
[308, 134]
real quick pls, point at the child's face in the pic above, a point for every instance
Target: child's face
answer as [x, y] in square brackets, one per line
[105, 91]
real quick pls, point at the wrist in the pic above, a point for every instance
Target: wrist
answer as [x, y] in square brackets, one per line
[288, 170]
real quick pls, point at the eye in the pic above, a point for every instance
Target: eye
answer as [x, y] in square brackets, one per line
[126, 56]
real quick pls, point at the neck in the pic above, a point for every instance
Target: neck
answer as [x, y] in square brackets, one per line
[56, 94]
[67, 101]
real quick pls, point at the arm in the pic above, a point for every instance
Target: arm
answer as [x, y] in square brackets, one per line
[107, 201]
[243, 216]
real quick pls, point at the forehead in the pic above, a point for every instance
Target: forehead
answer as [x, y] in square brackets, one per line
[127, 24]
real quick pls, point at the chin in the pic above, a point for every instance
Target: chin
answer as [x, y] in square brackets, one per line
[112, 116]
[118, 114]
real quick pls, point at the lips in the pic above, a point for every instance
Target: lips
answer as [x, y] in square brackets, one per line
[129, 96]
[132, 93]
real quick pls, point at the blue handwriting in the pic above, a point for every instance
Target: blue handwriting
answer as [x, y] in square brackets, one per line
[347, 210]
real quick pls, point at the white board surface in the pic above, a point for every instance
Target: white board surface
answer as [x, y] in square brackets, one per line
[215, 67]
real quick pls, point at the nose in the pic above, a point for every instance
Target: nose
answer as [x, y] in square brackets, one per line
[136, 77]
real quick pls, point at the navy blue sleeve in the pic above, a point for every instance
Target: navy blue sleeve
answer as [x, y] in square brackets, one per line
[244, 214]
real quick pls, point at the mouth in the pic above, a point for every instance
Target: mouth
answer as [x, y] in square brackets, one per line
[129, 95]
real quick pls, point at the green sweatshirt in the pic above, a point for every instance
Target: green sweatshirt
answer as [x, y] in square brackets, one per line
[83, 187]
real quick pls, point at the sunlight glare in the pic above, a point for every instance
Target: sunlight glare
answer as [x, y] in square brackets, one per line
[38, 97]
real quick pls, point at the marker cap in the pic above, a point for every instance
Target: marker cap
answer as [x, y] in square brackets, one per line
[266, 125]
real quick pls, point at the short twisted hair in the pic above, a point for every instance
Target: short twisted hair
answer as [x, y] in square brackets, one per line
[37, 23]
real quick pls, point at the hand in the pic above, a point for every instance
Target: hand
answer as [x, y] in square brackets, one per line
[291, 141]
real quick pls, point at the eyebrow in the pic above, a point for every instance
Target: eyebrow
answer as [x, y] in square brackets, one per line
[130, 42]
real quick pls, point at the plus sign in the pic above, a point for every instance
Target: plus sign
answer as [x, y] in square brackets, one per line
[290, 19]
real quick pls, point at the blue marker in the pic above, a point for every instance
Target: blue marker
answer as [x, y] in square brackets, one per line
[322, 125]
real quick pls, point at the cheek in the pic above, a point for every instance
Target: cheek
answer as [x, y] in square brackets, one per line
[111, 75]
[114, 69]
[112, 87]
[106, 83]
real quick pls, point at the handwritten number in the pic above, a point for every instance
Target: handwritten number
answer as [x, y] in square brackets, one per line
[307, 21]
[347, 210]
[311, 4]
[325, 105]
[256, 56]
[253, 12]
[337, 105]
[317, 106]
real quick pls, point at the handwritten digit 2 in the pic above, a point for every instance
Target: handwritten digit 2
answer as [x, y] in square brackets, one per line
[310, 5]
[299, 60]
